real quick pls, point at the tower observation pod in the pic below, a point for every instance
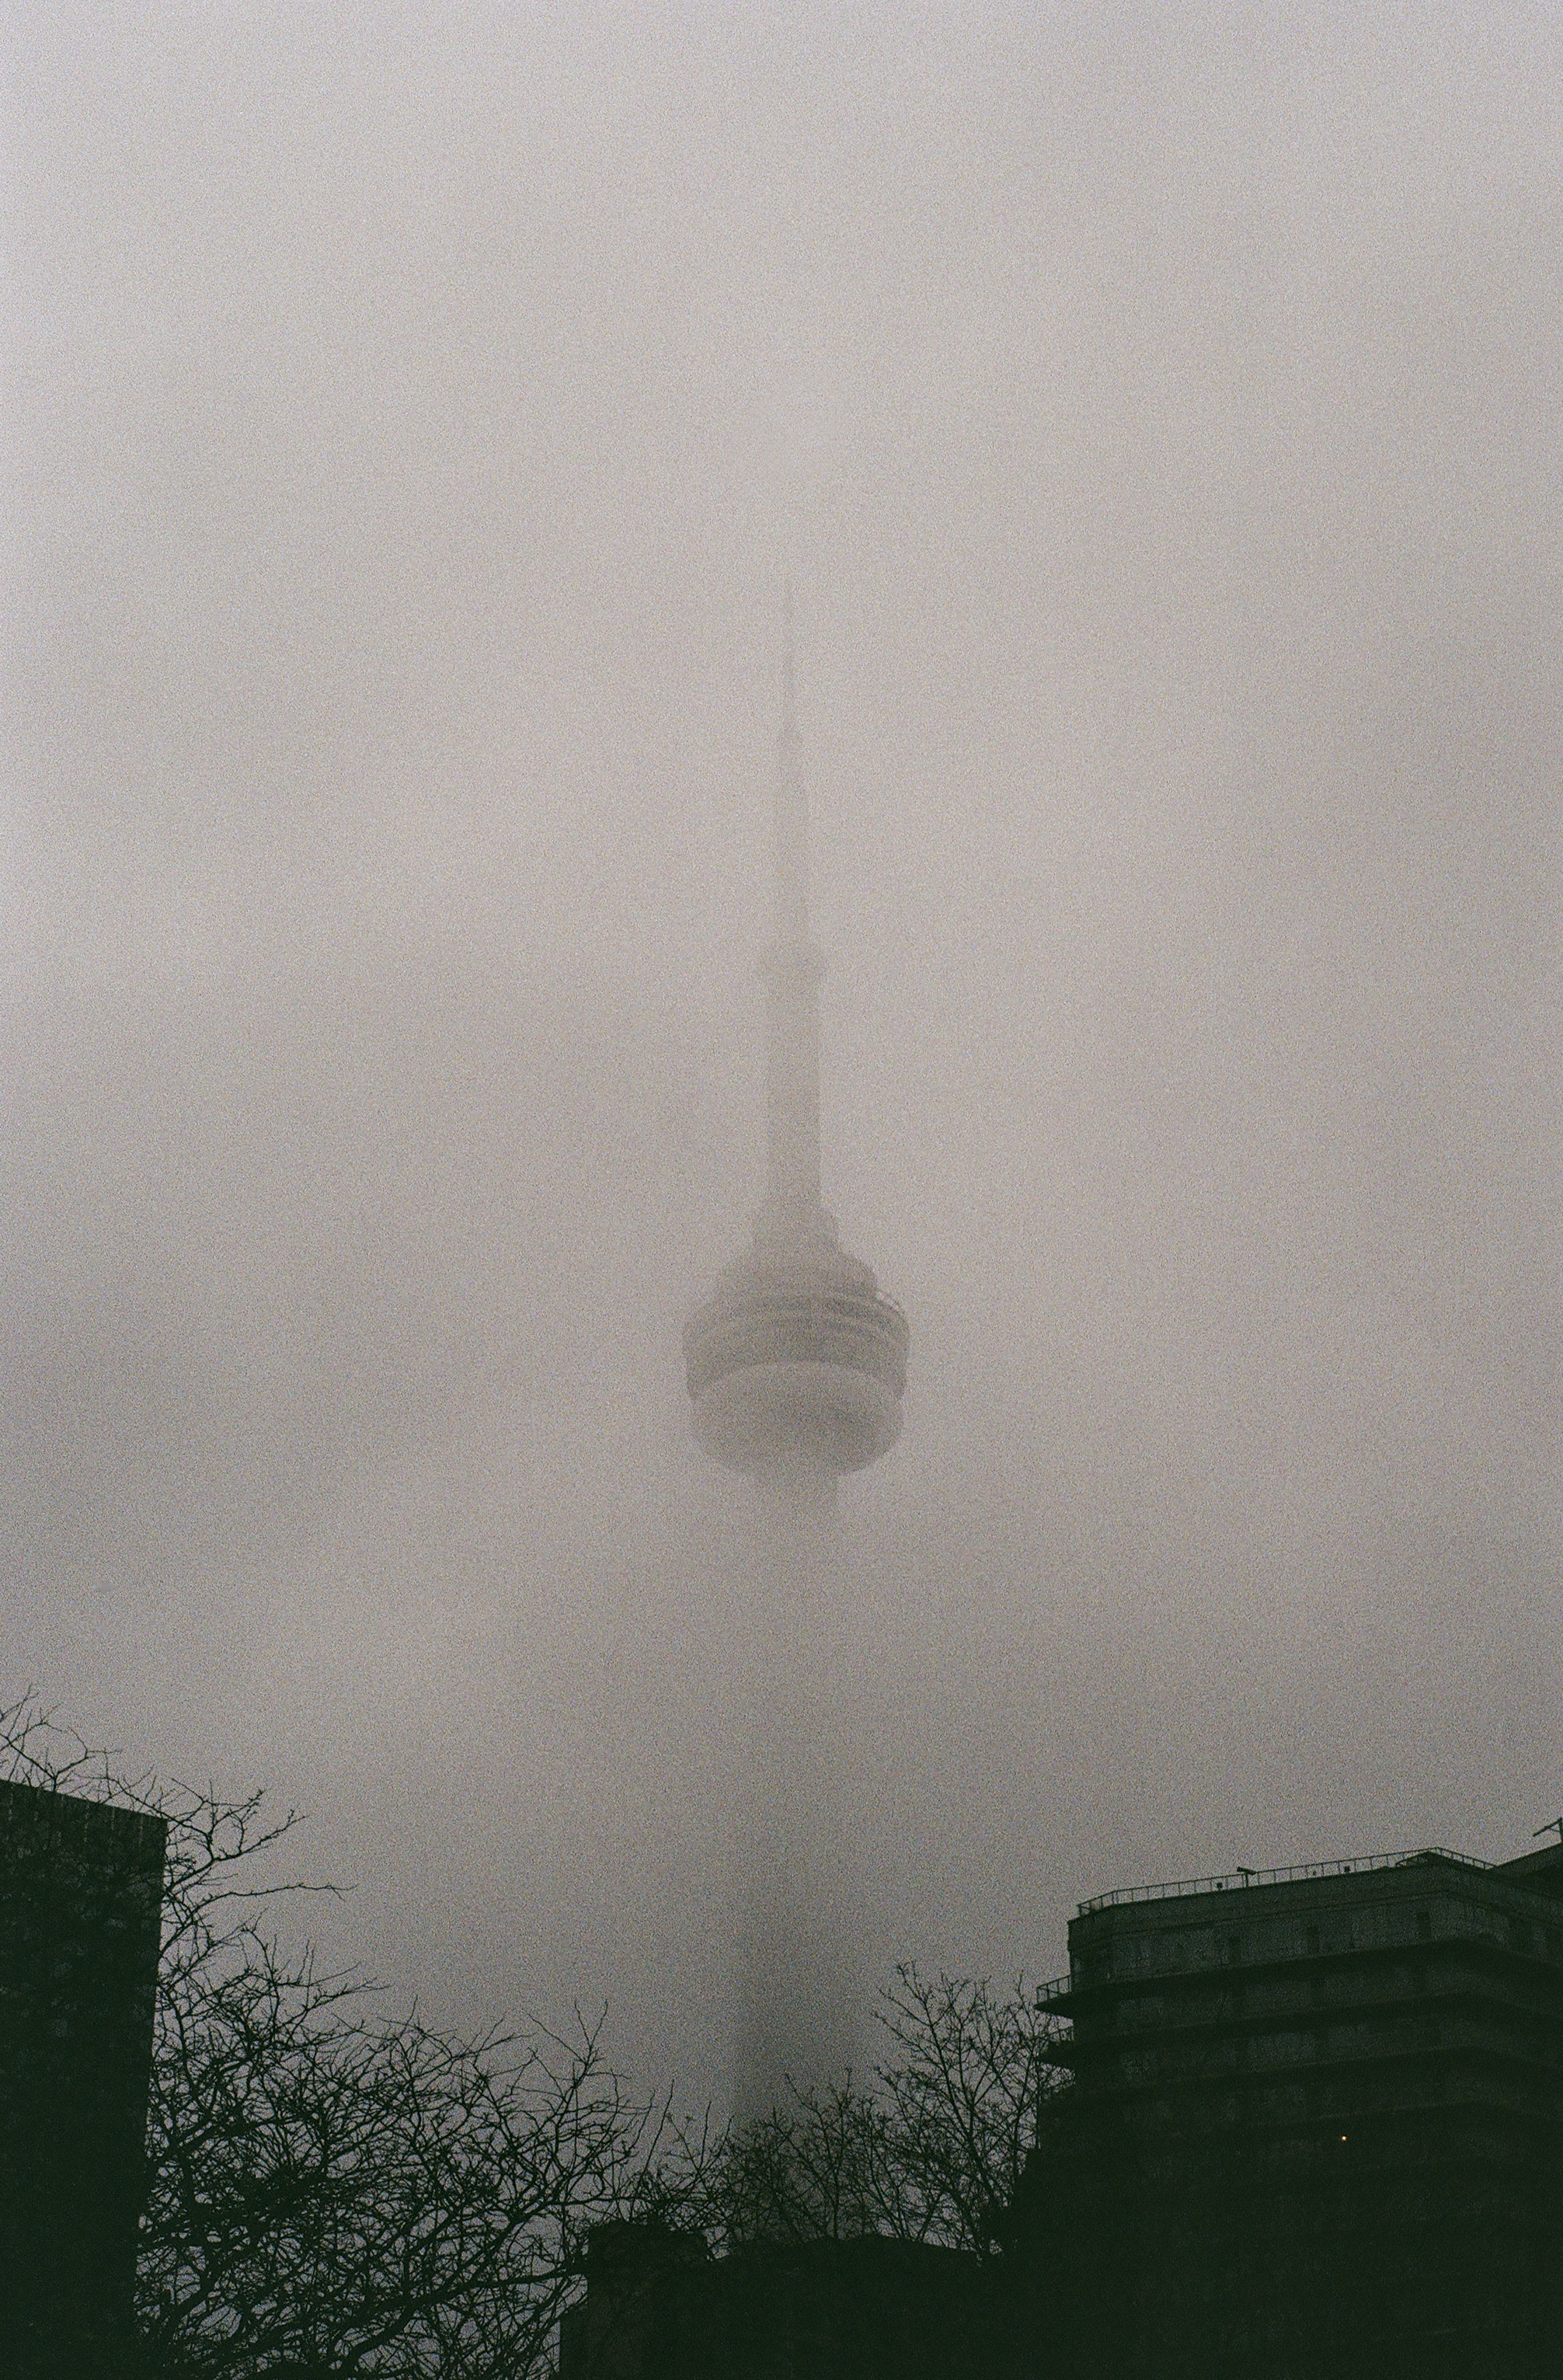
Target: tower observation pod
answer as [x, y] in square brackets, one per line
[798, 1362]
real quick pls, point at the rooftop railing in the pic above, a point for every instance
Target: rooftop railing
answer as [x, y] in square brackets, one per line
[1247, 1875]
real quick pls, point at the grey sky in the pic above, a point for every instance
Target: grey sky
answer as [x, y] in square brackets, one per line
[412, 416]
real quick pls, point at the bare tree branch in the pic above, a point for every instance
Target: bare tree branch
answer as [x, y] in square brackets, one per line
[334, 2189]
[932, 2150]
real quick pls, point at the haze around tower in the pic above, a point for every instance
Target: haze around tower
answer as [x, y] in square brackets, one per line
[409, 413]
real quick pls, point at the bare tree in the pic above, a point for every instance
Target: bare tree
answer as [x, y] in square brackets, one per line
[336, 2190]
[824, 2166]
[965, 2080]
[333, 2190]
[932, 2149]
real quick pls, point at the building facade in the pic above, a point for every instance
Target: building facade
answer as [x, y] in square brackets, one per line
[1314, 2125]
[80, 1901]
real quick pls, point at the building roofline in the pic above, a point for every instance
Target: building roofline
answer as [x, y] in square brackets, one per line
[1185, 1885]
[1537, 1871]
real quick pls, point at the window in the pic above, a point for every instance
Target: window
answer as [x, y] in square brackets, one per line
[1424, 1926]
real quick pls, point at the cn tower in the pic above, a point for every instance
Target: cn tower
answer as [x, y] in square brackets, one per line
[798, 1362]
[797, 1365]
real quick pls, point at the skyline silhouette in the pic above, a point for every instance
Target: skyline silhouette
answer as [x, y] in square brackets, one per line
[409, 420]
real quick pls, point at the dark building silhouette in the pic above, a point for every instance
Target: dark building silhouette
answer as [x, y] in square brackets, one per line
[658, 2308]
[1314, 2127]
[80, 1897]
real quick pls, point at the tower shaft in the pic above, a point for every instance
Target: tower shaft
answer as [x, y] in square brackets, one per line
[792, 982]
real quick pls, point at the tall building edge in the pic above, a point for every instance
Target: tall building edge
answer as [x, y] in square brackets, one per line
[80, 1910]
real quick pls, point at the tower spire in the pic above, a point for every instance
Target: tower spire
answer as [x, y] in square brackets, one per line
[791, 801]
[795, 1361]
[792, 969]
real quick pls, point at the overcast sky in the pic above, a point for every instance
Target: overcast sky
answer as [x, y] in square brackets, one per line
[413, 415]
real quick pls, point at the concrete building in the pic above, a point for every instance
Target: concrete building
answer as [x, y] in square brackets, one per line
[80, 1900]
[1316, 2126]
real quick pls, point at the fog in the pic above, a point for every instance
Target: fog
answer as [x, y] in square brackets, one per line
[413, 416]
